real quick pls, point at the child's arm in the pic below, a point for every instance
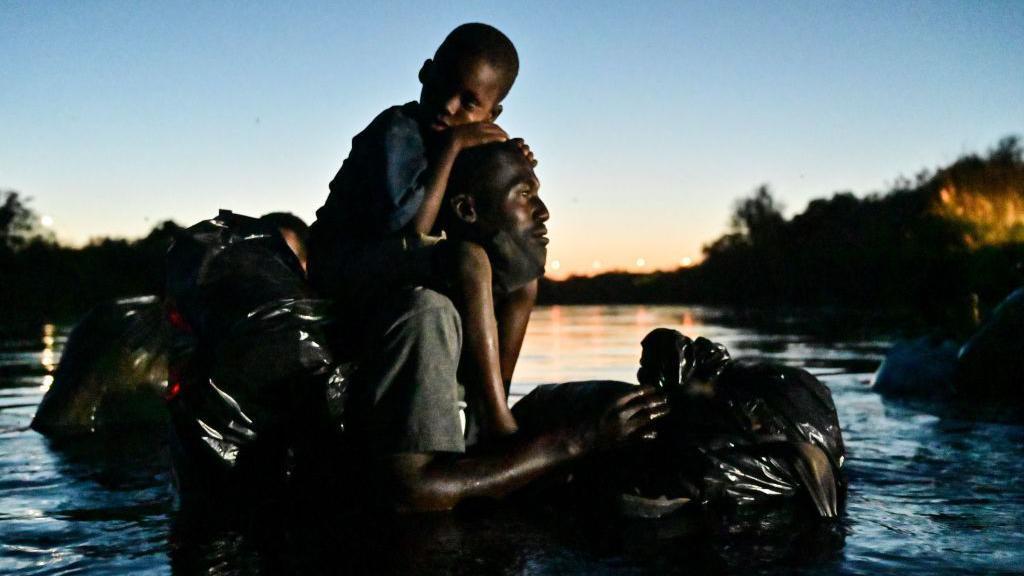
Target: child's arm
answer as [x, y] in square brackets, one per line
[513, 315]
[480, 369]
[457, 139]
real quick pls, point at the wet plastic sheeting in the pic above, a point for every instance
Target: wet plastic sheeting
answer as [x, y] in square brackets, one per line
[112, 373]
[768, 412]
[259, 380]
[738, 431]
[221, 270]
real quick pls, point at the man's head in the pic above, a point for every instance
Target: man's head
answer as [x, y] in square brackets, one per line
[493, 199]
[470, 74]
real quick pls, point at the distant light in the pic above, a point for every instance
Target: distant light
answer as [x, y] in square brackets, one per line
[555, 265]
[685, 261]
[47, 382]
[46, 221]
[47, 360]
[640, 262]
[596, 264]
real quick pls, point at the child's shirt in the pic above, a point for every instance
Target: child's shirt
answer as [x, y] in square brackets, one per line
[379, 188]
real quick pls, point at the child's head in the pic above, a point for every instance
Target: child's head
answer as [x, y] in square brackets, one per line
[470, 74]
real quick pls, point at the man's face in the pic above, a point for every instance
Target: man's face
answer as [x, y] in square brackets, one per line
[513, 207]
[467, 90]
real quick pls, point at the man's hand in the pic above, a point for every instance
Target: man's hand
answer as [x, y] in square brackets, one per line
[630, 418]
[475, 134]
[525, 149]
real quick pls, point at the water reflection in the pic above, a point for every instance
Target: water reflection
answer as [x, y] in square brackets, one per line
[562, 339]
[314, 538]
[933, 490]
[689, 324]
[47, 357]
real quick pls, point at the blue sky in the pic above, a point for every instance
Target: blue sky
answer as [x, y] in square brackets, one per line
[649, 120]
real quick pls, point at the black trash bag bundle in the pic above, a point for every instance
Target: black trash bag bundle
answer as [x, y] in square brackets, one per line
[112, 374]
[254, 380]
[737, 432]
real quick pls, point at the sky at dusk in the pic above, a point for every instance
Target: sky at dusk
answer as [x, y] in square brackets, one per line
[649, 119]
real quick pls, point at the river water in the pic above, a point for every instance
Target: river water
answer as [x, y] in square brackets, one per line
[931, 491]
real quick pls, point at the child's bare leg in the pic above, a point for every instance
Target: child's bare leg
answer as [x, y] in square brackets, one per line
[513, 314]
[475, 302]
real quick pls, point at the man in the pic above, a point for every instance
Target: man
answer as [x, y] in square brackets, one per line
[404, 415]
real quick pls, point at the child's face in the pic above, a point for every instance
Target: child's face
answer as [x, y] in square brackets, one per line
[468, 90]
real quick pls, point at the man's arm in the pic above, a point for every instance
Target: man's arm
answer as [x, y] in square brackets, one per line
[415, 482]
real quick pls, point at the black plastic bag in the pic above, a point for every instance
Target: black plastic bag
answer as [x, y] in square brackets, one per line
[255, 380]
[738, 432]
[112, 373]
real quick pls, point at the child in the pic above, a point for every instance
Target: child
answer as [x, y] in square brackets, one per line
[378, 230]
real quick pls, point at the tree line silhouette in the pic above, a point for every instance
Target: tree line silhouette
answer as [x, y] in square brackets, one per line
[41, 280]
[936, 245]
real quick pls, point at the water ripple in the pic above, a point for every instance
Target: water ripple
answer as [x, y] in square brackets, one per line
[930, 492]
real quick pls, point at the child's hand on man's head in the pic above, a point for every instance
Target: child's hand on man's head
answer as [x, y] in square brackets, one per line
[525, 148]
[475, 134]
